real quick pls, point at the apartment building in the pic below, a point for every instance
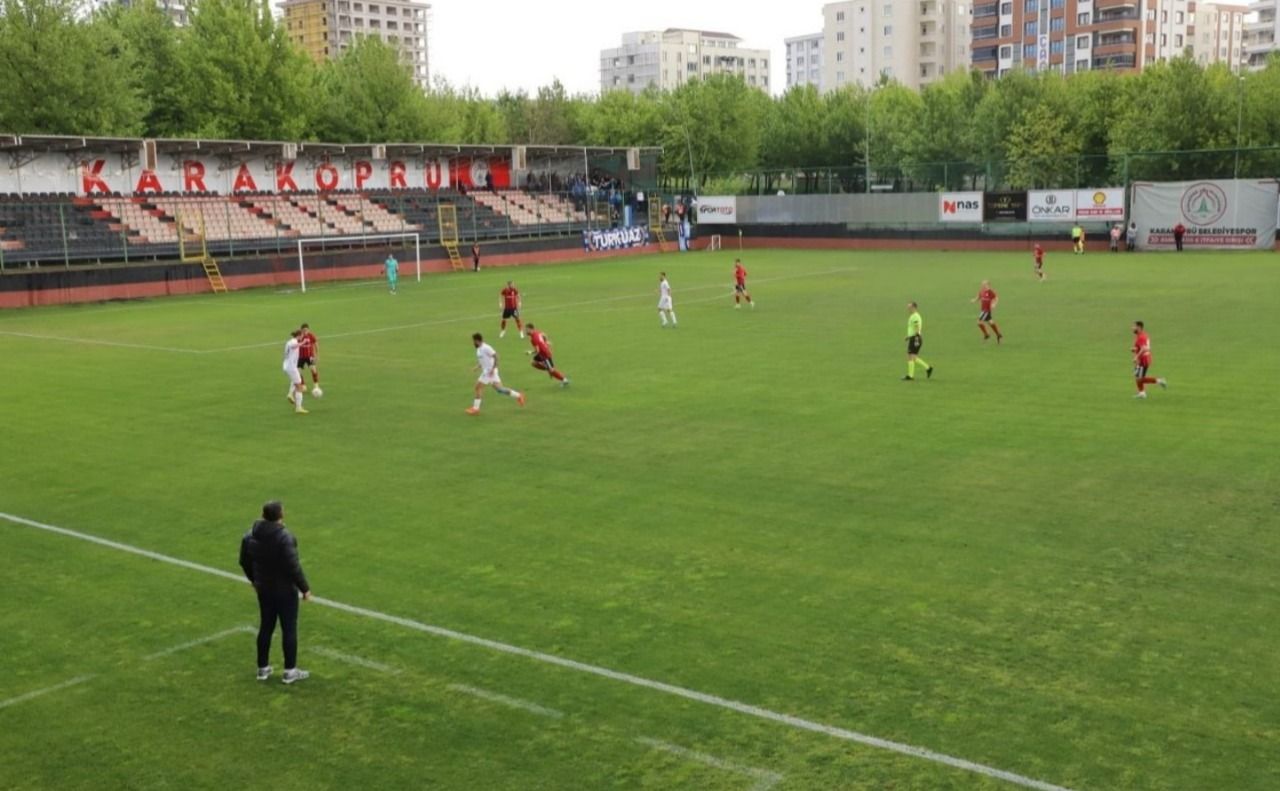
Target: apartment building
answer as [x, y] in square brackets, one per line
[804, 60]
[324, 28]
[667, 59]
[914, 42]
[1077, 35]
[1261, 32]
[1219, 34]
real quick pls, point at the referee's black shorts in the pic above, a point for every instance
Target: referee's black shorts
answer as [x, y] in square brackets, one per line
[914, 343]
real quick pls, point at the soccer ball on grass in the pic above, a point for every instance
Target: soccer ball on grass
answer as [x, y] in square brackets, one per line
[316, 391]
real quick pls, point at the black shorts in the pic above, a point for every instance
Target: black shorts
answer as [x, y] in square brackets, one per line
[509, 313]
[741, 288]
[1140, 370]
[539, 359]
[303, 362]
[985, 316]
[914, 343]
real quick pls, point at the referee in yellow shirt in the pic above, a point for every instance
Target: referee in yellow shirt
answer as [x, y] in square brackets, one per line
[915, 339]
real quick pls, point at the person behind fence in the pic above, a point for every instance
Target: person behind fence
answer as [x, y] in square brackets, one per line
[1131, 237]
[1115, 238]
[269, 558]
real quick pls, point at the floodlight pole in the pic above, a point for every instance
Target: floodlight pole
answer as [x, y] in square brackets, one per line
[866, 159]
[1239, 119]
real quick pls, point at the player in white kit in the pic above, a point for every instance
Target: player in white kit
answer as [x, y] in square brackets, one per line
[665, 307]
[487, 365]
[296, 387]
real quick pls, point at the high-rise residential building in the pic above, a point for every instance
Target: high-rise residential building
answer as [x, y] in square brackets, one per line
[1077, 35]
[1261, 32]
[804, 61]
[667, 59]
[324, 28]
[1219, 34]
[914, 43]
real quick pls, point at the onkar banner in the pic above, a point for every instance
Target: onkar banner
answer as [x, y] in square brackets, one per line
[1216, 215]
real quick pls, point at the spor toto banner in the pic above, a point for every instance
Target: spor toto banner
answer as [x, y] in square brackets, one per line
[1217, 215]
[615, 238]
[960, 207]
[715, 210]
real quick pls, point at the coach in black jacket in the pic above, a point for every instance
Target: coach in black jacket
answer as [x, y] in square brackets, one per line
[269, 557]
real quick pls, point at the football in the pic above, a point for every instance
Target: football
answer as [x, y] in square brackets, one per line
[316, 391]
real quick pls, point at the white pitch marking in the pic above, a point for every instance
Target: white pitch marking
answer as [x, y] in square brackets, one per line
[352, 659]
[506, 700]
[551, 659]
[40, 692]
[96, 342]
[548, 309]
[200, 641]
[763, 777]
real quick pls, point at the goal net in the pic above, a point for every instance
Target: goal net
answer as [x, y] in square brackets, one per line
[318, 244]
[714, 244]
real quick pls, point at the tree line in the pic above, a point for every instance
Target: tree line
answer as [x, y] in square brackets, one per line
[233, 74]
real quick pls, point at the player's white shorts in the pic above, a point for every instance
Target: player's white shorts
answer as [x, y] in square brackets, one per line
[490, 377]
[294, 375]
[664, 303]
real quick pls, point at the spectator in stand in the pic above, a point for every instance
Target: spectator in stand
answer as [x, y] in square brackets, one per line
[488, 182]
[1179, 231]
[1131, 237]
[666, 214]
[1115, 238]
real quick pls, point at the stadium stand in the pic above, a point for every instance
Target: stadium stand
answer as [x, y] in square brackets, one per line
[53, 226]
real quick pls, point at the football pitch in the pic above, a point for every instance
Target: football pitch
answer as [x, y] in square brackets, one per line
[738, 554]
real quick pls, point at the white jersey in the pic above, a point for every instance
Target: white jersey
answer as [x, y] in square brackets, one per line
[664, 295]
[291, 355]
[487, 358]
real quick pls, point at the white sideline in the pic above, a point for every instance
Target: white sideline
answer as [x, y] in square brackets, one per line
[582, 667]
[200, 641]
[352, 659]
[763, 777]
[507, 700]
[39, 692]
[96, 342]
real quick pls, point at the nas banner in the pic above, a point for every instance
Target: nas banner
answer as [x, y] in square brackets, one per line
[960, 207]
[1217, 215]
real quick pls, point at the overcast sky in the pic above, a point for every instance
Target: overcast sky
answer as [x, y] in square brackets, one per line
[492, 44]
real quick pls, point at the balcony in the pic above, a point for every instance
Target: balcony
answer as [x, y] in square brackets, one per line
[986, 10]
[1116, 12]
[1116, 62]
[984, 54]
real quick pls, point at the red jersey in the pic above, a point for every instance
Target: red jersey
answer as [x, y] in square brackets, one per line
[740, 274]
[511, 298]
[987, 297]
[539, 341]
[307, 345]
[1039, 254]
[1142, 347]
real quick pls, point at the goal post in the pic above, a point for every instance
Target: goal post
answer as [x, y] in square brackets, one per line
[715, 243]
[376, 237]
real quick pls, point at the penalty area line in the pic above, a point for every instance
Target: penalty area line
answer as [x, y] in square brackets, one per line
[4, 704]
[797, 723]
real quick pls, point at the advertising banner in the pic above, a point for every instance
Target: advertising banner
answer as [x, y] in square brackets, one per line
[615, 238]
[717, 210]
[1051, 206]
[1215, 215]
[1004, 206]
[1103, 205]
[960, 207]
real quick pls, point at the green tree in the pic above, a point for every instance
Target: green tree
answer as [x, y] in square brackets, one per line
[370, 96]
[1043, 150]
[794, 136]
[62, 75]
[715, 122]
[157, 72]
[250, 83]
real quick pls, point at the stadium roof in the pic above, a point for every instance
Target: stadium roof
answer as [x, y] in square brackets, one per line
[75, 143]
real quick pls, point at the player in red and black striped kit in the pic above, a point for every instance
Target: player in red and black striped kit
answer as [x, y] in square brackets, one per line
[740, 285]
[542, 356]
[989, 299]
[1142, 360]
[510, 304]
[308, 347]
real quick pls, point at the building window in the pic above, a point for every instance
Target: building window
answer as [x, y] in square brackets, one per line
[1005, 31]
[1006, 52]
[840, 35]
[839, 16]
[1006, 9]
[888, 30]
[1082, 42]
[1031, 6]
[1082, 19]
[1057, 23]
[1030, 29]
[1057, 46]
[839, 57]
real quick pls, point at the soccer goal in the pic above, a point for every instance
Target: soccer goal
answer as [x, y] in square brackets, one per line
[374, 237]
[714, 244]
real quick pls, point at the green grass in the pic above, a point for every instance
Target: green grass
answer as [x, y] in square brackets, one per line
[1014, 563]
